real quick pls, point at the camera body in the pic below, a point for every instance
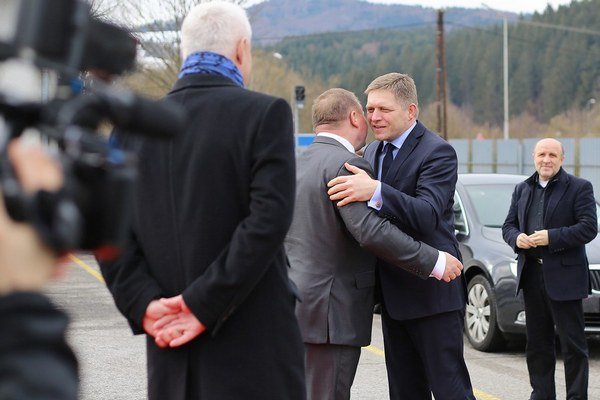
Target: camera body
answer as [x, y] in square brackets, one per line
[63, 36]
[92, 210]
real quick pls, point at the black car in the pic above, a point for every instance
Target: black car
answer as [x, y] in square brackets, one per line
[493, 312]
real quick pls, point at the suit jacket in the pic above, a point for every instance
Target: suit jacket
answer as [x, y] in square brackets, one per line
[211, 211]
[331, 251]
[418, 195]
[571, 220]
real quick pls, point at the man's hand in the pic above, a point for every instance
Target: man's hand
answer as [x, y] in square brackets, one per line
[155, 312]
[351, 188]
[181, 329]
[34, 168]
[540, 238]
[453, 268]
[525, 242]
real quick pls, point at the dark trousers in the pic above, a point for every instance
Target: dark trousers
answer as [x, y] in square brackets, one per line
[543, 314]
[330, 370]
[425, 355]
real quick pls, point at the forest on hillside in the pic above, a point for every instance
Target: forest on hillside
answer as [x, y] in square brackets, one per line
[554, 64]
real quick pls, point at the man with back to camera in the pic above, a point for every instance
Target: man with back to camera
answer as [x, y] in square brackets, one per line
[551, 217]
[422, 319]
[205, 274]
[329, 249]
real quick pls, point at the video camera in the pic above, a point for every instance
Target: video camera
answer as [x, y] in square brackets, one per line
[92, 211]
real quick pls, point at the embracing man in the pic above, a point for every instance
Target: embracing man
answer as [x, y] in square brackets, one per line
[416, 176]
[332, 251]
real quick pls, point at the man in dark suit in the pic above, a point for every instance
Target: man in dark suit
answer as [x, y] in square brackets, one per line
[417, 170]
[205, 275]
[551, 218]
[329, 249]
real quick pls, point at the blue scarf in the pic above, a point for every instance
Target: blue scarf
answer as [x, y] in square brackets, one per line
[207, 62]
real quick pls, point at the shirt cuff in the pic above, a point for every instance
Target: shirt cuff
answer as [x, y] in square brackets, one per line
[376, 201]
[440, 266]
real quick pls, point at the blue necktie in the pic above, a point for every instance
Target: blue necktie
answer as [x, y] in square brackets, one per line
[387, 160]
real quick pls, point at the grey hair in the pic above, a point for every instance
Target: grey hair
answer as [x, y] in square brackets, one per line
[216, 26]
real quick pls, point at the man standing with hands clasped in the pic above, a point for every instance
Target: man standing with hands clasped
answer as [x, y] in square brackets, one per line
[205, 273]
[551, 218]
[417, 172]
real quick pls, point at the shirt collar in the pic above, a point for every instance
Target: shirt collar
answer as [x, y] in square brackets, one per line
[340, 139]
[399, 141]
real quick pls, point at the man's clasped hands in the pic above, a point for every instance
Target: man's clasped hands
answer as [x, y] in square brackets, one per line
[171, 323]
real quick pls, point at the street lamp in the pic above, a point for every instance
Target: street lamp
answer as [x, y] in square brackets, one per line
[505, 66]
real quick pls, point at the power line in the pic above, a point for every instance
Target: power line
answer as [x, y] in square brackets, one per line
[268, 38]
[520, 39]
[560, 27]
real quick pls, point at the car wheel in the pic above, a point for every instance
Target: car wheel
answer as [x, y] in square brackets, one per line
[480, 316]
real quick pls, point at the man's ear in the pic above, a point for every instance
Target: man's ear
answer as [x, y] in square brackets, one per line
[243, 58]
[241, 51]
[412, 110]
[353, 117]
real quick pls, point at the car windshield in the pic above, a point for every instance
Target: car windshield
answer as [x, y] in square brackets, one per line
[491, 202]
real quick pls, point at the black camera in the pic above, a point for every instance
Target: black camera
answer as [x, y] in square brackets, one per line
[63, 36]
[92, 210]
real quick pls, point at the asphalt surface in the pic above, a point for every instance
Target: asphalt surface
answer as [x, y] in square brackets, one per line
[112, 360]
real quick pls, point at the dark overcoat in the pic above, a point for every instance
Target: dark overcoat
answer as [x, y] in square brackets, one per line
[571, 221]
[212, 208]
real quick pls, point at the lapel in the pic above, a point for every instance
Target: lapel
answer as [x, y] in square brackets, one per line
[557, 192]
[413, 139]
[523, 205]
[371, 153]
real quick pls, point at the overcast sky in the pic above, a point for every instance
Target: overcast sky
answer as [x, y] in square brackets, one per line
[520, 6]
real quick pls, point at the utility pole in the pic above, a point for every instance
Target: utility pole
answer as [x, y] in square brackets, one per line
[505, 59]
[440, 78]
[505, 65]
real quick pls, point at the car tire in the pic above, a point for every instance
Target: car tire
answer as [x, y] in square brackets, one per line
[481, 325]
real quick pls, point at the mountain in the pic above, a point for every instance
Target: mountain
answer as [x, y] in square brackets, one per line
[274, 19]
[553, 62]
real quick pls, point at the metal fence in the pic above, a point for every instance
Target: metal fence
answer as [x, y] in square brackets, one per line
[514, 156]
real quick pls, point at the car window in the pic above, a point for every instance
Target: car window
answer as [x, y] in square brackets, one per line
[491, 202]
[460, 221]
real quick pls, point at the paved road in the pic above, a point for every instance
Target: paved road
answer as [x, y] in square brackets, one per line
[112, 361]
